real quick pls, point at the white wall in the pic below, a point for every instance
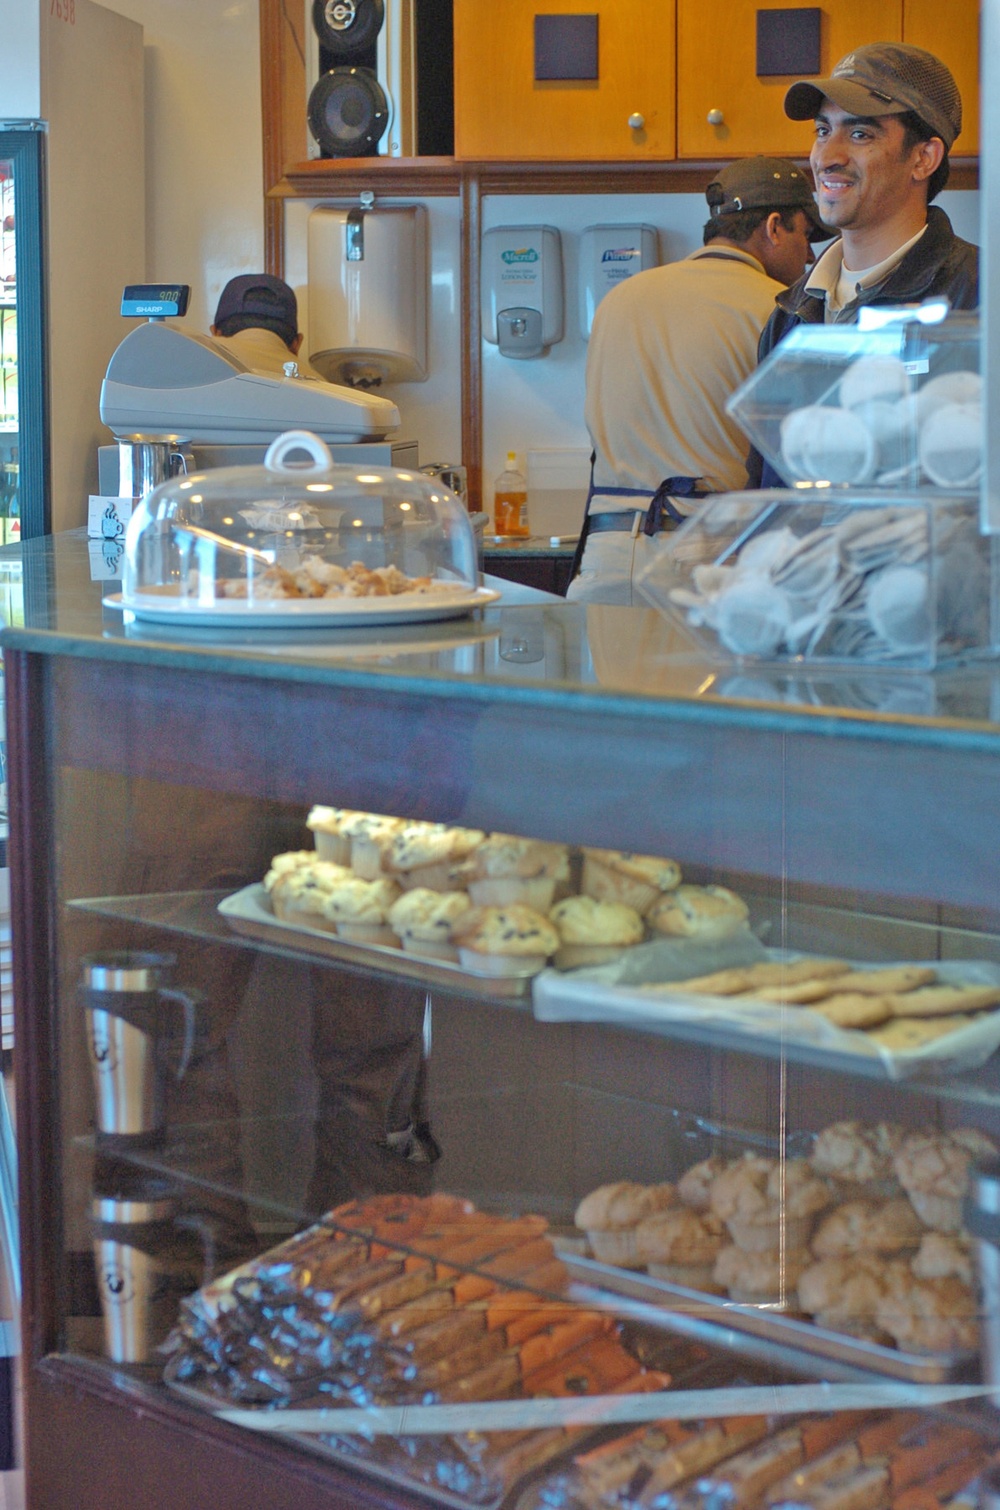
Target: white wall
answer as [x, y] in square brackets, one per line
[204, 170]
[20, 83]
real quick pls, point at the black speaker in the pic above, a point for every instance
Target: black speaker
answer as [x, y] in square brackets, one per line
[348, 112]
[383, 78]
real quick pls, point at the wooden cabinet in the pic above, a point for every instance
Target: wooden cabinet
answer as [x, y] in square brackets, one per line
[716, 67]
[951, 32]
[502, 111]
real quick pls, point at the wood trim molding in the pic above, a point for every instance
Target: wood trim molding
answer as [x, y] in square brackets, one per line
[472, 350]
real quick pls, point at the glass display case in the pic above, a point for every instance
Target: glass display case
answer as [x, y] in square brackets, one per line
[505, 1062]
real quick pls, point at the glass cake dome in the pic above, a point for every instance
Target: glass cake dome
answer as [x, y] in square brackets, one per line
[300, 540]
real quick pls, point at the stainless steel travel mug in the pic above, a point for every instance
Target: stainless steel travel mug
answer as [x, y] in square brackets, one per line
[134, 1274]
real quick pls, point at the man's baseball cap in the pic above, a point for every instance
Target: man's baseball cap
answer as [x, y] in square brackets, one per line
[765, 183]
[885, 78]
[261, 300]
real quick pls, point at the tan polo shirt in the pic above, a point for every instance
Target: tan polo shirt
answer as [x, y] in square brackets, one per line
[667, 349]
[264, 351]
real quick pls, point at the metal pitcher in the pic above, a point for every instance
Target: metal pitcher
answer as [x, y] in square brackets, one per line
[144, 461]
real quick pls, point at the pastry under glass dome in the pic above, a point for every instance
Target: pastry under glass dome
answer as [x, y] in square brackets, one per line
[301, 539]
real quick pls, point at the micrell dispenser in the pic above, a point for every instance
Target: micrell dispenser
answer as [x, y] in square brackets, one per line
[608, 255]
[522, 289]
[368, 294]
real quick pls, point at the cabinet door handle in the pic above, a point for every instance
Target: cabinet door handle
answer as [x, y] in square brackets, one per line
[715, 118]
[636, 120]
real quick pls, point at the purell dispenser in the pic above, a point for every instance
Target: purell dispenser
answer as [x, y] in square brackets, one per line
[522, 289]
[368, 294]
[608, 255]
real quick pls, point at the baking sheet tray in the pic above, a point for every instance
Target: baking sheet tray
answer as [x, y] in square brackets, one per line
[610, 994]
[249, 912]
[708, 1317]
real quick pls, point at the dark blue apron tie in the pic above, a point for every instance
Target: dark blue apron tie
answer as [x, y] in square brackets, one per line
[660, 506]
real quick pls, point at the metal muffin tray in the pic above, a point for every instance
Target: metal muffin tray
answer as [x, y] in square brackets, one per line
[248, 912]
[725, 1323]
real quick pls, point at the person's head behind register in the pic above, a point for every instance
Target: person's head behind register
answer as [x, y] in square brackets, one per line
[258, 316]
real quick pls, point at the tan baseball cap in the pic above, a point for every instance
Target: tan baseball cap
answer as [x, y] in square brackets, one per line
[765, 183]
[885, 78]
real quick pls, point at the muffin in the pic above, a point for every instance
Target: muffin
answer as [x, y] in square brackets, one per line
[591, 933]
[680, 1245]
[359, 910]
[704, 912]
[299, 895]
[867, 1227]
[843, 1294]
[767, 1278]
[422, 920]
[695, 1185]
[327, 827]
[858, 1160]
[767, 1203]
[929, 1315]
[637, 881]
[432, 856]
[506, 868]
[944, 1253]
[933, 1169]
[370, 835]
[283, 864]
[610, 1215]
[513, 940]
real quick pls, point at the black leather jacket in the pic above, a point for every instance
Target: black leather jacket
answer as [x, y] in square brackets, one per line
[941, 263]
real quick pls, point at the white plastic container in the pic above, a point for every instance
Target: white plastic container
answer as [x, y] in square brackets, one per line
[368, 294]
[558, 479]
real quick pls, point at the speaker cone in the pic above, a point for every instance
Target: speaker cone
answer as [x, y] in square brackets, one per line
[348, 112]
[347, 27]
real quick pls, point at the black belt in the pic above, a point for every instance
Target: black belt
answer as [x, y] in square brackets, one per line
[632, 521]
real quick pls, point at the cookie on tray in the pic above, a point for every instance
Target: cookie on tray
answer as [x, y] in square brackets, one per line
[511, 940]
[592, 933]
[617, 875]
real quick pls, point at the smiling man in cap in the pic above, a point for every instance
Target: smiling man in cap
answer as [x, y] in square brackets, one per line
[885, 122]
[668, 347]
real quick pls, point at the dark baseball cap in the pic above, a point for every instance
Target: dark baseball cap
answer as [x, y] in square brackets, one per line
[885, 78]
[765, 183]
[261, 300]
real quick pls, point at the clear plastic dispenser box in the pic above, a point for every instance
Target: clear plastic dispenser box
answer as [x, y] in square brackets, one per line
[872, 553]
[895, 406]
[300, 540]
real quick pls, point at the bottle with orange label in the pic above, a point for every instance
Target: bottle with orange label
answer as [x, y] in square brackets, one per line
[510, 500]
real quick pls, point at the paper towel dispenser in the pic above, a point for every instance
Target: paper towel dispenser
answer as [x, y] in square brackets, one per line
[163, 380]
[368, 294]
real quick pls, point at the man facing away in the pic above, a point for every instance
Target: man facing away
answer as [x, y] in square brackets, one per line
[885, 122]
[258, 318]
[667, 349]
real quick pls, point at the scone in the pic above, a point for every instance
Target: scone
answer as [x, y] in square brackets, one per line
[760, 1278]
[591, 933]
[933, 1169]
[614, 875]
[432, 856]
[859, 1160]
[610, 1214]
[327, 827]
[704, 912]
[844, 1294]
[422, 919]
[359, 909]
[867, 1227]
[299, 895]
[514, 940]
[680, 1245]
[767, 1203]
[506, 868]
